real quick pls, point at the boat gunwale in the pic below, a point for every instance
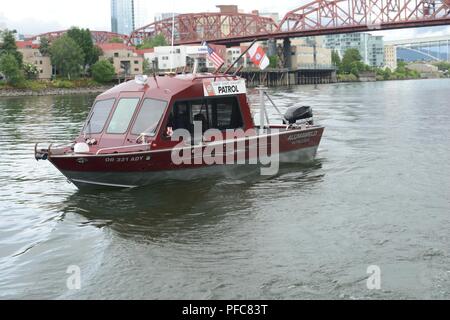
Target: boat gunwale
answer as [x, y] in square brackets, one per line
[249, 138]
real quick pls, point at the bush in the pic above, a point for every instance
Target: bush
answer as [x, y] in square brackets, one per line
[85, 83]
[36, 85]
[11, 70]
[63, 84]
[347, 78]
[103, 71]
[274, 61]
[157, 41]
[31, 71]
[32, 85]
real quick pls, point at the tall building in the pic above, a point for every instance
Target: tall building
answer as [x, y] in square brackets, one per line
[127, 15]
[303, 52]
[390, 57]
[370, 47]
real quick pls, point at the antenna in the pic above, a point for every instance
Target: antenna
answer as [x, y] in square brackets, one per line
[173, 35]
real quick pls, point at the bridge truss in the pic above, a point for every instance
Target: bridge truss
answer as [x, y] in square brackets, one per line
[315, 18]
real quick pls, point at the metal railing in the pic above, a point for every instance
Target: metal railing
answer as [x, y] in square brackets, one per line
[312, 66]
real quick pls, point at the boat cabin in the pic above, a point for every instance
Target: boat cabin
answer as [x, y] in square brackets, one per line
[148, 111]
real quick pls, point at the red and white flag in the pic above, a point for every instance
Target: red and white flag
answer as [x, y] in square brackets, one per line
[258, 57]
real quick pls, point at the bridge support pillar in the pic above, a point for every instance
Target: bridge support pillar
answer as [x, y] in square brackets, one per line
[271, 47]
[287, 49]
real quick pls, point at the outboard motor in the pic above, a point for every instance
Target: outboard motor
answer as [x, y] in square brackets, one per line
[293, 114]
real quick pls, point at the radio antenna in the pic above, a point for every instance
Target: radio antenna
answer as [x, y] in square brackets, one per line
[173, 35]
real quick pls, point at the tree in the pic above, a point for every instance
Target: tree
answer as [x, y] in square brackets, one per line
[11, 69]
[98, 52]
[401, 67]
[9, 46]
[146, 66]
[336, 59]
[115, 40]
[351, 61]
[83, 38]
[103, 71]
[157, 41]
[443, 66]
[273, 61]
[44, 47]
[31, 71]
[387, 74]
[67, 57]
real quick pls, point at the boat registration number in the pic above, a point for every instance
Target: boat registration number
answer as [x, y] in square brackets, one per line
[127, 159]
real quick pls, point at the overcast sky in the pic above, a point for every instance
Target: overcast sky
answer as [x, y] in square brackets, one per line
[34, 17]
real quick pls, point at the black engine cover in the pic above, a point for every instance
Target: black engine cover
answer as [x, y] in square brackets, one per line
[293, 114]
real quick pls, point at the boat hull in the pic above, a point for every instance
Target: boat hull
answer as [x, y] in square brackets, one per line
[131, 170]
[138, 179]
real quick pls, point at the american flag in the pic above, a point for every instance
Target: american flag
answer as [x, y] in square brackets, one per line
[213, 56]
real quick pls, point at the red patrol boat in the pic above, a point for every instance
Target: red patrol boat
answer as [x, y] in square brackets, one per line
[180, 127]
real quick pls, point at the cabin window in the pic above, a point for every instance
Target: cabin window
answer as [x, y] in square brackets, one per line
[226, 114]
[99, 114]
[149, 117]
[215, 113]
[122, 116]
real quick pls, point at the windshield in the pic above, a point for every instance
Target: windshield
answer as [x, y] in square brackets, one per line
[98, 116]
[149, 117]
[122, 115]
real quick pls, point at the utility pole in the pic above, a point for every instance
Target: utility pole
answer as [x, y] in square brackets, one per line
[315, 61]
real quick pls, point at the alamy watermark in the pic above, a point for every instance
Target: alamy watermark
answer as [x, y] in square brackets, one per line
[239, 147]
[73, 282]
[374, 279]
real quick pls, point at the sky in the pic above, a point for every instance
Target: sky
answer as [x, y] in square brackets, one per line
[35, 17]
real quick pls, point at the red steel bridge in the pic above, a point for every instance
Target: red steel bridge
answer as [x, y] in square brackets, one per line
[97, 36]
[315, 18]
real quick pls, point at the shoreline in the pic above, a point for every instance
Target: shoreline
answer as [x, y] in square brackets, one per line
[52, 91]
[6, 93]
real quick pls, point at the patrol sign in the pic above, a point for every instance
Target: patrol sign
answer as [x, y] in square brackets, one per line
[224, 88]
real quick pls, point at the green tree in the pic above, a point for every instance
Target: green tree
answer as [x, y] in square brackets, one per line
[31, 71]
[9, 46]
[83, 38]
[273, 61]
[103, 71]
[351, 62]
[157, 41]
[401, 67]
[146, 66]
[115, 40]
[67, 57]
[11, 69]
[387, 74]
[44, 47]
[443, 66]
[336, 59]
